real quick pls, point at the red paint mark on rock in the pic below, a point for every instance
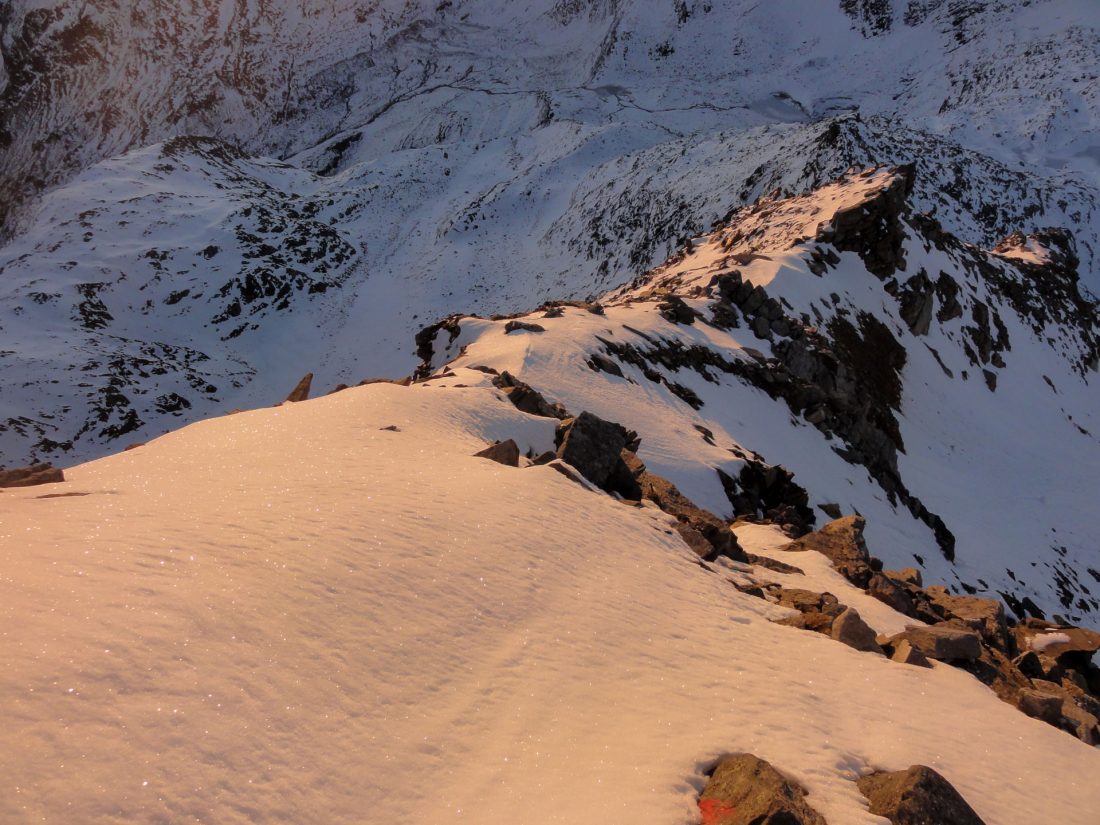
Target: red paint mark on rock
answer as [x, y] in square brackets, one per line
[714, 811]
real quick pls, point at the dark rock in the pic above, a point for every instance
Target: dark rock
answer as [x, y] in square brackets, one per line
[1044, 706]
[1029, 665]
[602, 363]
[338, 388]
[918, 796]
[745, 790]
[943, 642]
[996, 670]
[831, 510]
[769, 492]
[526, 399]
[873, 229]
[917, 300]
[31, 476]
[665, 495]
[694, 539]
[301, 390]
[503, 452]
[802, 600]
[987, 616]
[906, 654]
[592, 445]
[674, 310]
[761, 327]
[522, 326]
[545, 458]
[850, 629]
[888, 591]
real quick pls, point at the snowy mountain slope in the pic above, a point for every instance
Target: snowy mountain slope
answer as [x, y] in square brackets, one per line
[259, 271]
[82, 83]
[341, 620]
[951, 400]
[470, 157]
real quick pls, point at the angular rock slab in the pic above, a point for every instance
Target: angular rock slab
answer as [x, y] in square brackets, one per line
[850, 629]
[503, 452]
[301, 389]
[745, 790]
[918, 796]
[946, 643]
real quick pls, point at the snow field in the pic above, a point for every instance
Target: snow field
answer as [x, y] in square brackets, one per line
[294, 615]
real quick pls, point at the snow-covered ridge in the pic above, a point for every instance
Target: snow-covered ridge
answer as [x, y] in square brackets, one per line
[898, 372]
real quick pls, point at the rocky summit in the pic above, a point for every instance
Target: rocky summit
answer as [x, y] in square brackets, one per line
[570, 411]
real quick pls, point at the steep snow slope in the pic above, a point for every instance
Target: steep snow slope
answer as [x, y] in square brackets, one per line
[947, 394]
[297, 615]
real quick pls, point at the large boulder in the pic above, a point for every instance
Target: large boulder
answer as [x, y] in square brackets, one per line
[841, 541]
[947, 643]
[31, 476]
[746, 790]
[987, 616]
[503, 452]
[917, 796]
[1067, 644]
[593, 446]
[891, 592]
[850, 629]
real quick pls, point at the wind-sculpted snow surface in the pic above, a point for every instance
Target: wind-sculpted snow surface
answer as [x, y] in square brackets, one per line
[333, 612]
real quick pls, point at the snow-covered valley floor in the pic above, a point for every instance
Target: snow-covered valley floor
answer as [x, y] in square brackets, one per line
[296, 615]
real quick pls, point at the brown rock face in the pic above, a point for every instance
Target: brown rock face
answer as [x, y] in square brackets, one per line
[301, 390]
[503, 452]
[943, 642]
[526, 398]
[906, 654]
[850, 629]
[987, 616]
[918, 796]
[841, 541]
[745, 790]
[593, 446]
[31, 476]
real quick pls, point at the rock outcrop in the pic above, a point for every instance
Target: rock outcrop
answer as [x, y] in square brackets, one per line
[917, 796]
[31, 476]
[746, 790]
